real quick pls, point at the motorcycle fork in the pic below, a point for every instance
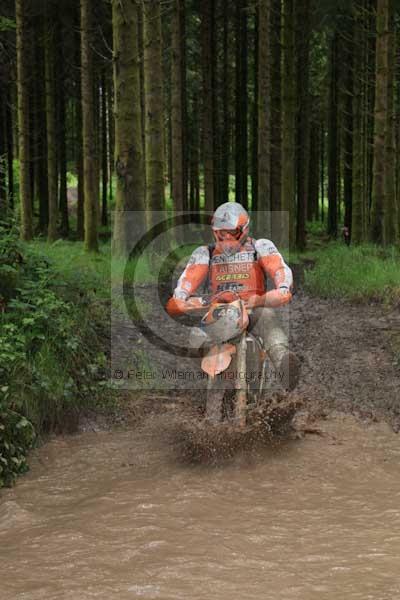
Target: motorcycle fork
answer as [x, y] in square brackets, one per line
[241, 382]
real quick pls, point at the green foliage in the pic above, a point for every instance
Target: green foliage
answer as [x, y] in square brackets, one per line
[16, 437]
[6, 24]
[52, 341]
[359, 273]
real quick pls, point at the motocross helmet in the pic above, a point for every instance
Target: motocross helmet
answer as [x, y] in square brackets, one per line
[230, 225]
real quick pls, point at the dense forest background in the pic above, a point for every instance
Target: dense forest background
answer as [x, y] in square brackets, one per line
[149, 104]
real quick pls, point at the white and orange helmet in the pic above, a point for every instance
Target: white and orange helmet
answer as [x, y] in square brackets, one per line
[230, 225]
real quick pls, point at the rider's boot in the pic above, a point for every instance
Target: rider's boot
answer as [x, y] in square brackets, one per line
[286, 364]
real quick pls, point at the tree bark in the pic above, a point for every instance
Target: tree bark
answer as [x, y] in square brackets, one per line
[359, 184]
[289, 120]
[276, 105]
[177, 175]
[333, 139]
[3, 156]
[104, 149]
[391, 231]
[10, 151]
[264, 106]
[129, 166]
[62, 135]
[303, 126]
[256, 103]
[90, 158]
[154, 95]
[208, 134]
[241, 133]
[51, 124]
[348, 123]
[226, 121]
[23, 119]
[380, 135]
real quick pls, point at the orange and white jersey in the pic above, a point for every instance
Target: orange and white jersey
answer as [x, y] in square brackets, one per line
[243, 272]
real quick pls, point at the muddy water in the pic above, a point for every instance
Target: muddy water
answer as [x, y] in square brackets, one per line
[116, 516]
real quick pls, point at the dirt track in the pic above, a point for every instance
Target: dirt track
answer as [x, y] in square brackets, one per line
[348, 361]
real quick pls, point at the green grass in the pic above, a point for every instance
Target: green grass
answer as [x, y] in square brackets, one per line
[357, 273]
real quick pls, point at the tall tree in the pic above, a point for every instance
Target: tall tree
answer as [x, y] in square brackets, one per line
[104, 148]
[154, 113]
[276, 108]
[129, 166]
[62, 131]
[303, 123]
[333, 138]
[241, 127]
[51, 124]
[226, 120]
[348, 120]
[23, 76]
[177, 174]
[391, 229]
[90, 158]
[380, 133]
[10, 150]
[359, 187]
[3, 150]
[208, 133]
[289, 118]
[264, 105]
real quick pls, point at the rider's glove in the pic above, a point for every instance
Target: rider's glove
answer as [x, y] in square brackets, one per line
[175, 307]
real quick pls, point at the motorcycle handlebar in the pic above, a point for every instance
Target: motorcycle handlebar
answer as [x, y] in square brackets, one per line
[199, 304]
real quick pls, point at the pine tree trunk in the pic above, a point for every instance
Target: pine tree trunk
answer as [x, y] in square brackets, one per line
[185, 133]
[391, 231]
[90, 159]
[176, 155]
[23, 76]
[104, 150]
[348, 123]
[208, 137]
[313, 172]
[358, 221]
[41, 181]
[154, 95]
[289, 120]
[303, 129]
[333, 139]
[195, 159]
[3, 155]
[226, 121]
[10, 151]
[264, 106]
[129, 166]
[51, 125]
[256, 102]
[62, 136]
[241, 134]
[380, 135]
[276, 105]
[111, 140]
[215, 99]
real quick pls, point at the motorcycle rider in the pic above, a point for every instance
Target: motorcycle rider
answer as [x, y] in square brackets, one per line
[239, 263]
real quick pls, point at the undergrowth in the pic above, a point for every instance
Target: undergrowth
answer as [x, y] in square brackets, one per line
[53, 343]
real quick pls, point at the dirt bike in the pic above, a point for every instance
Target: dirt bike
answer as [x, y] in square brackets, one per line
[228, 343]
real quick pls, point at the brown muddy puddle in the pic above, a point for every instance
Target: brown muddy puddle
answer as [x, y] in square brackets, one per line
[115, 515]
